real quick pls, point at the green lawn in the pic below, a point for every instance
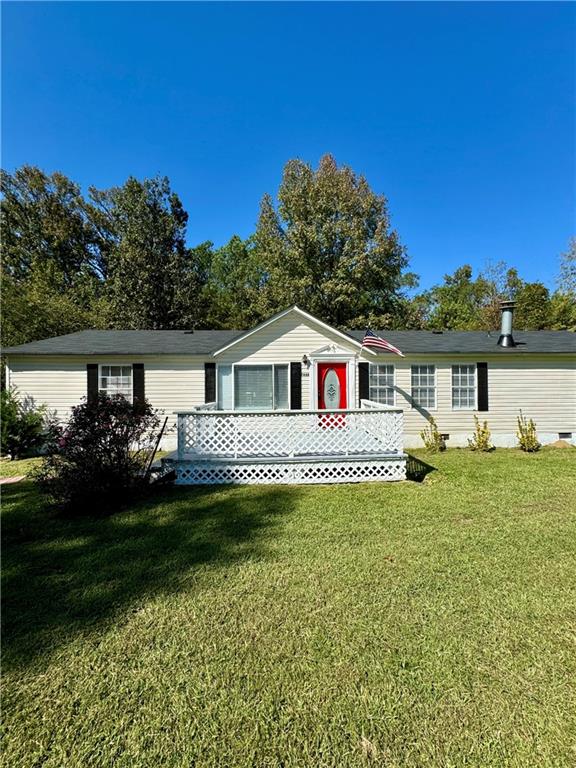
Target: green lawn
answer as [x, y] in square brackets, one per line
[407, 624]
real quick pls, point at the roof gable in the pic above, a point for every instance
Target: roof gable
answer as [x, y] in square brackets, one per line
[305, 316]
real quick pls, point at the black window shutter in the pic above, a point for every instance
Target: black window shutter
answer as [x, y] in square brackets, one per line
[295, 386]
[364, 381]
[209, 382]
[482, 378]
[138, 393]
[92, 382]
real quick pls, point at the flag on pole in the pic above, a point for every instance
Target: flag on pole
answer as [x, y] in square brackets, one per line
[375, 342]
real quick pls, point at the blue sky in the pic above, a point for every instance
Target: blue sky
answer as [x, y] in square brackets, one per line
[461, 113]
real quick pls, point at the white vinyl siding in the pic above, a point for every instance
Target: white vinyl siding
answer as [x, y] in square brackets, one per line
[381, 383]
[173, 383]
[115, 380]
[423, 383]
[464, 387]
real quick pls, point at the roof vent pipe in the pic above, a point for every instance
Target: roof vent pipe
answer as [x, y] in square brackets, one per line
[506, 339]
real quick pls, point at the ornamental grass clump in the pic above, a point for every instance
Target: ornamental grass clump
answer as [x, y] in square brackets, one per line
[480, 440]
[527, 434]
[431, 437]
[99, 458]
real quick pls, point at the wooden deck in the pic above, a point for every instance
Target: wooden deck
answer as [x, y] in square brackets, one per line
[342, 446]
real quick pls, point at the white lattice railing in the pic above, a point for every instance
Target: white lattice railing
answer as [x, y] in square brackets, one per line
[369, 431]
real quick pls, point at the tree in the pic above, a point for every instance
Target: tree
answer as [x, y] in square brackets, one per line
[533, 308]
[464, 303]
[567, 277]
[54, 257]
[328, 247]
[154, 280]
[234, 285]
[500, 282]
[456, 304]
[563, 300]
[46, 221]
[33, 309]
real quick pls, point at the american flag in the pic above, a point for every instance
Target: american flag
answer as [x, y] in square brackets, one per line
[371, 340]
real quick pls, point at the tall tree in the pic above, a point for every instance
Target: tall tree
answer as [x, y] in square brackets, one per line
[567, 278]
[563, 301]
[456, 304]
[498, 281]
[463, 302]
[533, 308]
[54, 256]
[46, 220]
[234, 285]
[192, 300]
[154, 280]
[33, 309]
[328, 247]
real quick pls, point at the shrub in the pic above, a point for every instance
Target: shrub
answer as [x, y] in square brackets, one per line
[527, 435]
[100, 455]
[24, 428]
[480, 440]
[432, 439]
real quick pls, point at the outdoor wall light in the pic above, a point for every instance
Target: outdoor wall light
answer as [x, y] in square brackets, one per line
[305, 361]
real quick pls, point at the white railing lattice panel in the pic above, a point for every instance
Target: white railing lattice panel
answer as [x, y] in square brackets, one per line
[223, 434]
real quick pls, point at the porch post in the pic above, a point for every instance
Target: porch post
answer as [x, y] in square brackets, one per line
[181, 434]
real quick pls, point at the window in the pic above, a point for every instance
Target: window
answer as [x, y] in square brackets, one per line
[281, 387]
[381, 380]
[464, 387]
[224, 390]
[116, 380]
[424, 385]
[260, 387]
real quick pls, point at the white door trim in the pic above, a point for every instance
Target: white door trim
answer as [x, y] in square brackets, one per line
[333, 355]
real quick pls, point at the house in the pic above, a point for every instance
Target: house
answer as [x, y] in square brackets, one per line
[297, 400]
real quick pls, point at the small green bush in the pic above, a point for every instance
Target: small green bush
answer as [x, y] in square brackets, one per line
[527, 435]
[480, 440]
[24, 428]
[431, 437]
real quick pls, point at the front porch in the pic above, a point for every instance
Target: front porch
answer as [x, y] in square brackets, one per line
[315, 446]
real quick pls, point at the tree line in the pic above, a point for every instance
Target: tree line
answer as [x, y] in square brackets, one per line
[119, 258]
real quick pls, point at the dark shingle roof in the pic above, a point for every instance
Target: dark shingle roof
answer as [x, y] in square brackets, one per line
[472, 342]
[128, 343]
[206, 342]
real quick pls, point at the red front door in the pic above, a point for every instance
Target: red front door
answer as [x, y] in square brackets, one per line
[332, 386]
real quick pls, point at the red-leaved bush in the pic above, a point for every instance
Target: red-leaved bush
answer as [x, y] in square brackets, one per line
[98, 458]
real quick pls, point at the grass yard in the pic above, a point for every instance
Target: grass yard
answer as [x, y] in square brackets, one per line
[408, 624]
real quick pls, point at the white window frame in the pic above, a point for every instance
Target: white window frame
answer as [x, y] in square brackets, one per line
[391, 387]
[130, 397]
[415, 404]
[258, 365]
[473, 407]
